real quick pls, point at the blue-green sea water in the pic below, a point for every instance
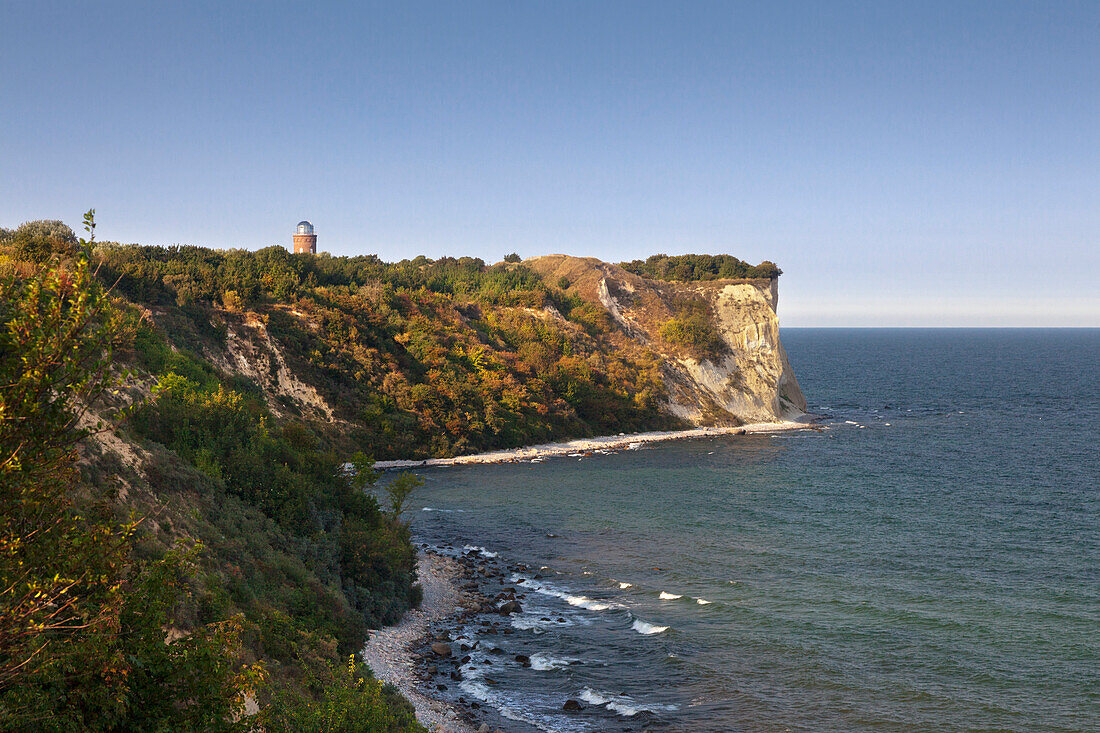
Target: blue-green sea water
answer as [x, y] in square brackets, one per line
[928, 562]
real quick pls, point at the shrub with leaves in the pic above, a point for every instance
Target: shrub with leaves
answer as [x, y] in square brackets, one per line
[693, 328]
[687, 268]
[82, 641]
[339, 699]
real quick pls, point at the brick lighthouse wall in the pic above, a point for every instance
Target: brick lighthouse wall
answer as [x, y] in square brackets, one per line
[305, 244]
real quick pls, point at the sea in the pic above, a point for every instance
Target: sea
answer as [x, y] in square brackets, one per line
[929, 560]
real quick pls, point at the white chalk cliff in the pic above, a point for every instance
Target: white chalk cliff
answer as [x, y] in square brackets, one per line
[748, 381]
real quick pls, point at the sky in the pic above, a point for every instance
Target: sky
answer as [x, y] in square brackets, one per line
[905, 164]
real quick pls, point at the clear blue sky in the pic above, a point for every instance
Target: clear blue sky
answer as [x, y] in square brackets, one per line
[913, 163]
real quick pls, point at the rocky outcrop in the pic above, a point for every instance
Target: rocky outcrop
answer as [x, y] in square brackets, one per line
[748, 380]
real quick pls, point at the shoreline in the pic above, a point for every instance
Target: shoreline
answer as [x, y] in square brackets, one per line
[402, 655]
[390, 651]
[600, 443]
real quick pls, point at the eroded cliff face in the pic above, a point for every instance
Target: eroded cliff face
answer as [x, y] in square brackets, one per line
[754, 380]
[747, 381]
[251, 352]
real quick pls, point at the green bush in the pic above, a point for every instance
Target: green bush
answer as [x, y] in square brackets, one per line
[688, 268]
[694, 329]
[37, 241]
[339, 699]
[283, 470]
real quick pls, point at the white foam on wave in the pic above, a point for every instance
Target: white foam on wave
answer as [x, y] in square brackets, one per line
[570, 598]
[592, 697]
[702, 601]
[645, 628]
[586, 602]
[539, 619]
[444, 511]
[529, 622]
[544, 662]
[624, 586]
[479, 550]
[516, 705]
[518, 708]
[669, 596]
[621, 704]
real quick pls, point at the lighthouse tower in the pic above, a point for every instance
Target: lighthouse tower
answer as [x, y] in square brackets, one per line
[305, 241]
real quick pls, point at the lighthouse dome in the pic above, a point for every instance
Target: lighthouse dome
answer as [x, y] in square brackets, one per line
[304, 227]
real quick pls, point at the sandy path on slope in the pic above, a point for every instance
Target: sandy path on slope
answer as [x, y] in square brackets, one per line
[388, 651]
[607, 442]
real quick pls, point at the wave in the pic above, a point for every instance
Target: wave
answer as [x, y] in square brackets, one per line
[539, 619]
[573, 600]
[586, 602]
[621, 704]
[444, 511]
[702, 601]
[544, 662]
[624, 586]
[529, 707]
[645, 628]
[527, 622]
[669, 596]
[518, 707]
[479, 550]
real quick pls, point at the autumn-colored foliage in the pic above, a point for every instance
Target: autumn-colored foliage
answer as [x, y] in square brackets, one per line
[102, 627]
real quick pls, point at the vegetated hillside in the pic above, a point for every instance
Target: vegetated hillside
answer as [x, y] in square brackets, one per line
[410, 359]
[256, 375]
[436, 358]
[201, 565]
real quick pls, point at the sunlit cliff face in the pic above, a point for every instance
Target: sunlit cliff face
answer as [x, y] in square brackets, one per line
[748, 379]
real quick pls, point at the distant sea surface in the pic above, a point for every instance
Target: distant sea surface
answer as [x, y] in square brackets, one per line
[929, 562]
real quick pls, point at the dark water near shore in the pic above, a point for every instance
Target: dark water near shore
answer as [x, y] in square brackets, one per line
[929, 562]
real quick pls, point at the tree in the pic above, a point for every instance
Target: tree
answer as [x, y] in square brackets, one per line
[399, 490]
[38, 240]
[362, 472]
[513, 258]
